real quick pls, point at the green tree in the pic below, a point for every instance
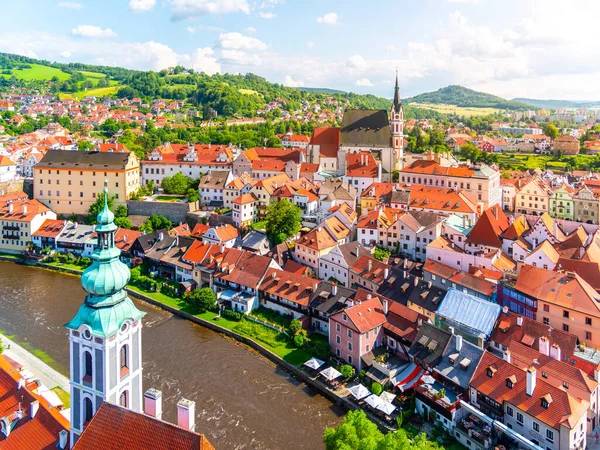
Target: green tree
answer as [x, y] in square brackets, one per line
[178, 184]
[123, 222]
[282, 218]
[376, 388]
[97, 206]
[301, 338]
[551, 131]
[85, 146]
[193, 195]
[156, 222]
[347, 371]
[121, 211]
[295, 326]
[204, 299]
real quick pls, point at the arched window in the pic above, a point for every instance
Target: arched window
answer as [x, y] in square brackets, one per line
[88, 410]
[87, 367]
[124, 359]
[124, 399]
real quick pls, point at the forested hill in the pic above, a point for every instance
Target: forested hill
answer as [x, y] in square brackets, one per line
[554, 104]
[228, 95]
[462, 96]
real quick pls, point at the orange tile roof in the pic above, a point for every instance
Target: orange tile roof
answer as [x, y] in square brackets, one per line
[39, 432]
[428, 167]
[243, 268]
[50, 228]
[289, 286]
[117, 428]
[362, 165]
[318, 238]
[6, 161]
[328, 139]
[562, 410]
[488, 228]
[244, 199]
[181, 230]
[365, 315]
[516, 229]
[34, 207]
[199, 229]
[199, 251]
[124, 238]
[207, 154]
[440, 199]
[226, 232]
[376, 272]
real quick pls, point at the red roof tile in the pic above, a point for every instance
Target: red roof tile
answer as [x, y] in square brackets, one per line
[328, 139]
[488, 228]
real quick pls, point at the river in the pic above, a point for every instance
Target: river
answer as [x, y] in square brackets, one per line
[242, 400]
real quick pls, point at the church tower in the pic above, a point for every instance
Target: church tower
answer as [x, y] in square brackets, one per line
[397, 128]
[105, 336]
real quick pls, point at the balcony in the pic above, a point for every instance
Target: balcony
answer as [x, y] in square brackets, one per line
[476, 430]
[437, 396]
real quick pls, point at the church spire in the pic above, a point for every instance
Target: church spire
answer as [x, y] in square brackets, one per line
[397, 100]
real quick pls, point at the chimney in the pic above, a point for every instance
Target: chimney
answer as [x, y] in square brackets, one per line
[386, 272]
[10, 208]
[333, 289]
[186, 410]
[416, 281]
[544, 345]
[33, 408]
[505, 309]
[451, 330]
[222, 249]
[153, 403]
[25, 209]
[506, 356]
[385, 306]
[160, 236]
[370, 266]
[520, 321]
[555, 352]
[531, 379]
[481, 341]
[63, 436]
[420, 322]
[459, 342]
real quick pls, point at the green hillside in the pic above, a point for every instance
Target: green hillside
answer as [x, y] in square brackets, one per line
[464, 97]
[35, 72]
[554, 104]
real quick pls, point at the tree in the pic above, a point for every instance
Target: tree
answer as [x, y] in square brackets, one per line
[156, 222]
[192, 195]
[551, 131]
[376, 388]
[282, 219]
[178, 184]
[347, 371]
[358, 432]
[123, 222]
[301, 338]
[85, 146]
[204, 299]
[97, 206]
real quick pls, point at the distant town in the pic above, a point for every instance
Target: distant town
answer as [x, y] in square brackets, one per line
[438, 274]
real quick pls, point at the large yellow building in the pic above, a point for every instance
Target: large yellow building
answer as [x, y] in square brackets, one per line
[68, 181]
[19, 219]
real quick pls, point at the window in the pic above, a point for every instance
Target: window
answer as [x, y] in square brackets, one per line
[588, 336]
[588, 320]
[338, 327]
[87, 367]
[565, 385]
[88, 410]
[350, 346]
[535, 426]
[124, 360]
[550, 435]
[509, 411]
[123, 399]
[565, 314]
[565, 327]
[344, 317]
[349, 333]
[546, 308]
[349, 359]
[338, 339]
[520, 418]
[546, 321]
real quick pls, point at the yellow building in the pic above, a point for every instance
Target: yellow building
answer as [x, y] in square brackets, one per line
[68, 181]
[19, 219]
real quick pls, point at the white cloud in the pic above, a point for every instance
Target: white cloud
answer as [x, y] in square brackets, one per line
[390, 48]
[185, 9]
[70, 5]
[92, 31]
[192, 30]
[267, 15]
[364, 82]
[357, 62]
[310, 44]
[240, 57]
[290, 82]
[329, 19]
[237, 41]
[250, 30]
[65, 54]
[202, 60]
[142, 5]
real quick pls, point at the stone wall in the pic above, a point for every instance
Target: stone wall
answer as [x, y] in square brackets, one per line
[175, 212]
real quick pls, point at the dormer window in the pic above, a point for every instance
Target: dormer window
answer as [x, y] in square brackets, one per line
[545, 404]
[510, 381]
[491, 371]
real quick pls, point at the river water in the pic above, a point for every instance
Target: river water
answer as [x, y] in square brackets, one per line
[243, 401]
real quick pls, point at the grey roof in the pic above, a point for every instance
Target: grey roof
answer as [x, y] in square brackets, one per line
[324, 301]
[454, 371]
[352, 251]
[256, 240]
[216, 179]
[469, 311]
[402, 196]
[425, 218]
[366, 127]
[84, 160]
[334, 188]
[75, 233]
[429, 344]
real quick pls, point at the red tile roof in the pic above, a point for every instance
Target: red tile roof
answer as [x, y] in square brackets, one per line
[364, 315]
[328, 139]
[226, 232]
[362, 165]
[244, 199]
[199, 229]
[289, 286]
[34, 207]
[375, 273]
[243, 268]
[488, 228]
[50, 228]
[124, 238]
[117, 428]
[428, 167]
[39, 432]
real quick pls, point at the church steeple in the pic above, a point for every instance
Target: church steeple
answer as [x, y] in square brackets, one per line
[397, 101]
[397, 128]
[105, 335]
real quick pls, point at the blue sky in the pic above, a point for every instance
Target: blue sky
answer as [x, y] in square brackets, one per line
[512, 48]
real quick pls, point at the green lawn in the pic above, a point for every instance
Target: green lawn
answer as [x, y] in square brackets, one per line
[10, 256]
[66, 266]
[169, 198]
[39, 72]
[459, 110]
[258, 225]
[519, 161]
[64, 396]
[92, 74]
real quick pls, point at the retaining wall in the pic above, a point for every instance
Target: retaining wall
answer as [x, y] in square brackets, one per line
[175, 212]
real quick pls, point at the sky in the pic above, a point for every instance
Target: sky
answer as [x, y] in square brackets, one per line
[511, 48]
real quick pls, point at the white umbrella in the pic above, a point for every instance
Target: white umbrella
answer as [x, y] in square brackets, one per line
[428, 379]
[359, 391]
[387, 408]
[387, 397]
[314, 363]
[373, 401]
[330, 373]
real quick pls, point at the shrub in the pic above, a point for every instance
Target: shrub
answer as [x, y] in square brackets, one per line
[204, 299]
[232, 315]
[322, 350]
[347, 371]
[362, 374]
[376, 388]
[295, 326]
[298, 340]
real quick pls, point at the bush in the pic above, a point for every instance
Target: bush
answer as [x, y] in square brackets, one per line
[376, 388]
[298, 340]
[362, 374]
[347, 371]
[322, 350]
[295, 326]
[204, 299]
[232, 315]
